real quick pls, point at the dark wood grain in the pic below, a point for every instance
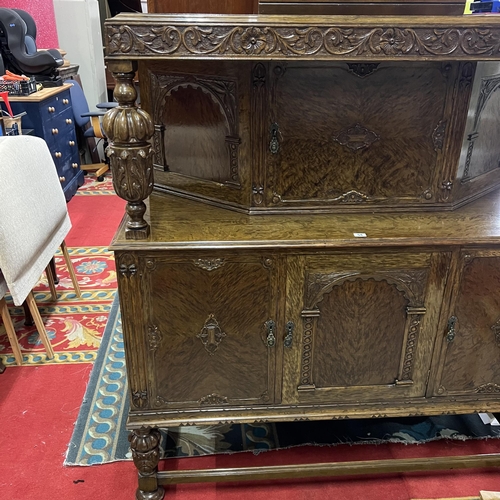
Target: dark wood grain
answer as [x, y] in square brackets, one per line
[470, 364]
[357, 8]
[237, 295]
[204, 6]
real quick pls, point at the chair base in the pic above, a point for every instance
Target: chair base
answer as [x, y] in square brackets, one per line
[99, 168]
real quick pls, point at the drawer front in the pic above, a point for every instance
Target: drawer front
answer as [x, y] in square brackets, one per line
[57, 126]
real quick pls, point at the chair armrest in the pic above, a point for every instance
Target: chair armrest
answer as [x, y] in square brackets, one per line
[106, 105]
[94, 113]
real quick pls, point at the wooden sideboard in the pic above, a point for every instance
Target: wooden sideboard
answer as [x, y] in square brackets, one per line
[321, 238]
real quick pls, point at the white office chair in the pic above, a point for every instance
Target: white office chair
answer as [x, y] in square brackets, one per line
[34, 221]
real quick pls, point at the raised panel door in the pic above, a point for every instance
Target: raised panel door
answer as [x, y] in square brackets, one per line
[365, 325]
[211, 334]
[469, 362]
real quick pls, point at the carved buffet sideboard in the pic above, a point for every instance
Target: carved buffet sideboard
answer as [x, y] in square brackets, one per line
[321, 238]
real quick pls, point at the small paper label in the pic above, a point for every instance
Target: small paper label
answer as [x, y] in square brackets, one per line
[359, 235]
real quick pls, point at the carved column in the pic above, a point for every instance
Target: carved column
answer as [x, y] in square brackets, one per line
[145, 446]
[129, 129]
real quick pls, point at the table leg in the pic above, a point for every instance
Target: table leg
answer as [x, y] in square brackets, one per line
[145, 446]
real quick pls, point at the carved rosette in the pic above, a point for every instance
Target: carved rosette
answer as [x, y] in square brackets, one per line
[128, 130]
[244, 41]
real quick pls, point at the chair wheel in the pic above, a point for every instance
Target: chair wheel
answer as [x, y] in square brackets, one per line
[100, 178]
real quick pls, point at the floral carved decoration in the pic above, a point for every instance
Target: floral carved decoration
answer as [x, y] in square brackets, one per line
[254, 41]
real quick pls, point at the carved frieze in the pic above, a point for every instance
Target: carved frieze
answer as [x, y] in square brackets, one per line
[244, 41]
[211, 335]
[410, 282]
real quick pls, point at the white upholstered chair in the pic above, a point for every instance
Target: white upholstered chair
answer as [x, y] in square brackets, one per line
[34, 221]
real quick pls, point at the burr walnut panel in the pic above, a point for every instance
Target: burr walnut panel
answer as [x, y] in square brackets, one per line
[470, 359]
[366, 327]
[351, 137]
[209, 344]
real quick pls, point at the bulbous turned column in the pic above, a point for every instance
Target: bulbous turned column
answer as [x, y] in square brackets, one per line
[145, 446]
[128, 130]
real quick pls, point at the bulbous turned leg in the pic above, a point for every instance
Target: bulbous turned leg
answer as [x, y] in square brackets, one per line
[145, 446]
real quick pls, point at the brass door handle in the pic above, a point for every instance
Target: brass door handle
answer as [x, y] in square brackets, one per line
[62, 179]
[289, 334]
[51, 109]
[74, 165]
[271, 338]
[69, 121]
[58, 154]
[450, 334]
[55, 131]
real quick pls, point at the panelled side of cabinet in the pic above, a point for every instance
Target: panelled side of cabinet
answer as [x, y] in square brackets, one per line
[468, 349]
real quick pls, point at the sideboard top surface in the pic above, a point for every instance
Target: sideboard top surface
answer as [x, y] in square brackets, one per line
[255, 37]
[178, 223]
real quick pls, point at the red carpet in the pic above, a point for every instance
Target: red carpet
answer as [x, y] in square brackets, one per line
[39, 405]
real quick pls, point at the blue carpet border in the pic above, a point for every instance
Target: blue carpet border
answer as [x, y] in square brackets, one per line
[102, 413]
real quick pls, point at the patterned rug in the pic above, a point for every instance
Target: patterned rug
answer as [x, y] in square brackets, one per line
[74, 325]
[100, 435]
[92, 187]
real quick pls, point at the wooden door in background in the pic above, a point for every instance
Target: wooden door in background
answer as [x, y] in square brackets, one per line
[204, 6]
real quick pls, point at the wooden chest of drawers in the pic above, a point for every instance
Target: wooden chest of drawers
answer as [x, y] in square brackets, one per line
[50, 115]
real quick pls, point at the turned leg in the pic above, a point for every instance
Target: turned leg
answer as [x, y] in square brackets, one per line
[145, 446]
[28, 318]
[52, 265]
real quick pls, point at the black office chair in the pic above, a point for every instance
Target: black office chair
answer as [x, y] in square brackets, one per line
[18, 48]
[89, 126]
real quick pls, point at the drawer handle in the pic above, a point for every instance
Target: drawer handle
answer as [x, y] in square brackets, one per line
[69, 121]
[51, 109]
[270, 327]
[58, 154]
[450, 334]
[74, 165]
[289, 334]
[65, 101]
[71, 143]
[62, 179]
[55, 131]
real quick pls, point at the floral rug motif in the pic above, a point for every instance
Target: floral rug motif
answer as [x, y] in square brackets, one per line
[100, 434]
[74, 325]
[92, 187]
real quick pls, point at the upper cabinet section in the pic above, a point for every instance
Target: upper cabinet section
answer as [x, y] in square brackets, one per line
[274, 114]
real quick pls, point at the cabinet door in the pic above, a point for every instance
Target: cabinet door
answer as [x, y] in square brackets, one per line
[211, 330]
[365, 325]
[469, 362]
